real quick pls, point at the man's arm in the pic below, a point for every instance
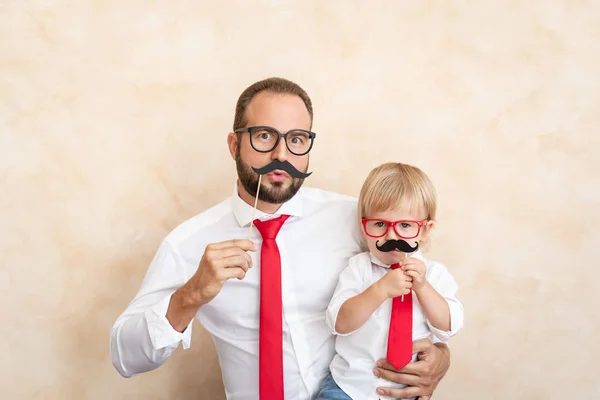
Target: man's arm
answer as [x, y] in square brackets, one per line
[421, 376]
[161, 314]
[141, 338]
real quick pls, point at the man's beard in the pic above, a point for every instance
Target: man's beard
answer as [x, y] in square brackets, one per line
[275, 194]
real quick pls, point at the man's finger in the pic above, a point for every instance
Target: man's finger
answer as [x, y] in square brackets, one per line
[414, 368]
[404, 393]
[385, 364]
[422, 345]
[235, 251]
[229, 251]
[234, 272]
[234, 261]
[244, 244]
[397, 377]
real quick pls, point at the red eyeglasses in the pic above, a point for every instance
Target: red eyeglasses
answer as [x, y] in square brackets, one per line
[406, 229]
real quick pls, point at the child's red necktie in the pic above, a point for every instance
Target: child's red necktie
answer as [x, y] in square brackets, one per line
[399, 351]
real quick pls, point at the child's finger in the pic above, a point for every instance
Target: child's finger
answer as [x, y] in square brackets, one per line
[409, 266]
[412, 273]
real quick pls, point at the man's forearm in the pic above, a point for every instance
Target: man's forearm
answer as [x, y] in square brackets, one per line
[182, 308]
[132, 350]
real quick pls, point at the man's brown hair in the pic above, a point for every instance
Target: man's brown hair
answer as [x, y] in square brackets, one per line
[273, 85]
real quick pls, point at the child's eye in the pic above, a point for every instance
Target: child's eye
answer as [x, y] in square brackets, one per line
[379, 224]
[405, 225]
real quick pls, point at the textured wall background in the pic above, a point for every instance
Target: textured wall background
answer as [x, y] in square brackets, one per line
[113, 118]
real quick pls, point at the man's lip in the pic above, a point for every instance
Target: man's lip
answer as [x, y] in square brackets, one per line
[278, 172]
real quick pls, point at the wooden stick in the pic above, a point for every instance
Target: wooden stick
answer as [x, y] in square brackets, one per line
[405, 257]
[255, 203]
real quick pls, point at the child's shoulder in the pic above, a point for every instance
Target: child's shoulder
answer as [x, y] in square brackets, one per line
[436, 270]
[360, 259]
[358, 263]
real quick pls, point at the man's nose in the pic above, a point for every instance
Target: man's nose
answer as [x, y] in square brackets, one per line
[280, 152]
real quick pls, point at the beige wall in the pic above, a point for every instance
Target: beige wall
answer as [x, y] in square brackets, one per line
[113, 117]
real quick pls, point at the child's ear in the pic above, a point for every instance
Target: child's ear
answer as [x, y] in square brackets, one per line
[427, 229]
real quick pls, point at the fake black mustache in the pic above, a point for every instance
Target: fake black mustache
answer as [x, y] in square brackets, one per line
[282, 165]
[400, 244]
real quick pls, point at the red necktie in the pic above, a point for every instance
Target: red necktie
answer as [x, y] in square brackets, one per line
[399, 351]
[271, 342]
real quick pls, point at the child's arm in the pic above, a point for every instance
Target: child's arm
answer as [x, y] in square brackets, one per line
[434, 306]
[351, 304]
[357, 310]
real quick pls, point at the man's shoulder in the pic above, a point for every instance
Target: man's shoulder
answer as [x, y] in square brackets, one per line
[200, 222]
[326, 197]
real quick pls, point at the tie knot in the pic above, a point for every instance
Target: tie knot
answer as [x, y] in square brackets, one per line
[270, 228]
[394, 266]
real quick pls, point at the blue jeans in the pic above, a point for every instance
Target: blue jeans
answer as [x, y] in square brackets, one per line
[331, 391]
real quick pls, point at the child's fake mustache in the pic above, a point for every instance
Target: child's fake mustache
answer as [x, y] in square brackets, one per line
[399, 244]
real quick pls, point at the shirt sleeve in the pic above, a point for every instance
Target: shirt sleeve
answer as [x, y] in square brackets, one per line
[350, 283]
[142, 338]
[442, 281]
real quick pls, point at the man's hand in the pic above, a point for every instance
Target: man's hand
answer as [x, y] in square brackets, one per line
[220, 262]
[421, 376]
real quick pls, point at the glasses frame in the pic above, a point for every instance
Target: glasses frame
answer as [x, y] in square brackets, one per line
[393, 224]
[280, 135]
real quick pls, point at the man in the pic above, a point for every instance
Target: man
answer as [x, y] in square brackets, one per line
[268, 327]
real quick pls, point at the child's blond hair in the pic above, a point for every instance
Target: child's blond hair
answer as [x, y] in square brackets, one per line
[390, 184]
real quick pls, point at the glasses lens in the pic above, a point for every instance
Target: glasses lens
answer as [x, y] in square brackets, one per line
[298, 141]
[407, 229]
[376, 228]
[263, 139]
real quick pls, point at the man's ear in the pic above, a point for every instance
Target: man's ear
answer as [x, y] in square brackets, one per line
[232, 143]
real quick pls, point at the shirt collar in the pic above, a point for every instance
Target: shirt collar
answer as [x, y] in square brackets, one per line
[243, 211]
[376, 261]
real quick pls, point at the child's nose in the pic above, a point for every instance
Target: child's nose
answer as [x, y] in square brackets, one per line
[391, 234]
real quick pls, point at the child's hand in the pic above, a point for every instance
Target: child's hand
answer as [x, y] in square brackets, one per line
[416, 269]
[396, 283]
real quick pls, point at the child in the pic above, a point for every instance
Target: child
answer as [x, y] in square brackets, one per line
[396, 207]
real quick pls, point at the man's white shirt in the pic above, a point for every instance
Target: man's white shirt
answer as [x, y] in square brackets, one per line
[315, 244]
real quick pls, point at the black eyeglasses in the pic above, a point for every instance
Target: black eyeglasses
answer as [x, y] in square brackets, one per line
[265, 138]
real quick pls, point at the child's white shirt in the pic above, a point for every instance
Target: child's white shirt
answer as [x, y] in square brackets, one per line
[357, 352]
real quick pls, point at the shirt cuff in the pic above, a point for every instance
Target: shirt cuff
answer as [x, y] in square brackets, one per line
[160, 330]
[456, 323]
[331, 318]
